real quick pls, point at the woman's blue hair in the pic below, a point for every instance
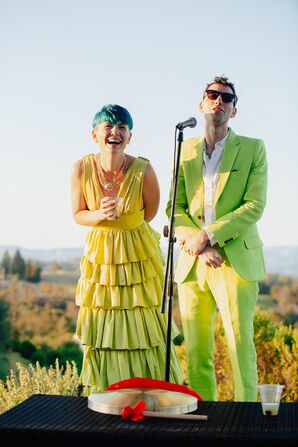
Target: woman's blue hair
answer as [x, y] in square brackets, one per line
[112, 113]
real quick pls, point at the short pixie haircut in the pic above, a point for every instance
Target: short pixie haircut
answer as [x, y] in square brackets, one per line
[113, 113]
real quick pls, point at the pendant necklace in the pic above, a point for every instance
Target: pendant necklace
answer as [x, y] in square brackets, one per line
[106, 183]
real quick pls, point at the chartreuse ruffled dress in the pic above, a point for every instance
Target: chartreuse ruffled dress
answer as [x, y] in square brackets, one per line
[120, 289]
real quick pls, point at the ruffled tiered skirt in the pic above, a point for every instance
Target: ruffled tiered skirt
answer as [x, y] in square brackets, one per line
[119, 321]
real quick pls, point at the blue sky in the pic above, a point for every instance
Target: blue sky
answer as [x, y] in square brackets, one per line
[62, 60]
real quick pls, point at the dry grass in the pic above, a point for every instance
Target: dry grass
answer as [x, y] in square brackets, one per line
[37, 380]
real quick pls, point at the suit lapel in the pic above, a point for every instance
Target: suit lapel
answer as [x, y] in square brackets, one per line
[197, 172]
[228, 157]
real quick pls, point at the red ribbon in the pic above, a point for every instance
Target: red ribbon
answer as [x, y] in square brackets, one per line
[134, 413]
[140, 382]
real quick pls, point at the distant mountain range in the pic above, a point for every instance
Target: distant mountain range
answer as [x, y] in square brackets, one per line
[45, 256]
[280, 260]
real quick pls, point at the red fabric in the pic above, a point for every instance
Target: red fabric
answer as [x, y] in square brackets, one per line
[134, 413]
[140, 382]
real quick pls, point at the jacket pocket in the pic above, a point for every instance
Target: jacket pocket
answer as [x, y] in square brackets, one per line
[253, 242]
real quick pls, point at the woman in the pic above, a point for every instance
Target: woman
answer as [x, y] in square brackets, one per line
[120, 288]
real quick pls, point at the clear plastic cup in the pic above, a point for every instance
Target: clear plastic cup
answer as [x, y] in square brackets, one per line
[119, 206]
[270, 398]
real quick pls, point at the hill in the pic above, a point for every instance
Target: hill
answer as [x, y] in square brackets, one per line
[47, 255]
[279, 260]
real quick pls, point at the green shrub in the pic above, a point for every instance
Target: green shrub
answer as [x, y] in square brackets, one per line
[277, 352]
[277, 356]
[37, 380]
[27, 349]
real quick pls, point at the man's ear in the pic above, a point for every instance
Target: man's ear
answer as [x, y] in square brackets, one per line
[201, 106]
[130, 137]
[234, 113]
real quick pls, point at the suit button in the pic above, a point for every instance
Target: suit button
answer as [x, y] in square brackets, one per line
[200, 217]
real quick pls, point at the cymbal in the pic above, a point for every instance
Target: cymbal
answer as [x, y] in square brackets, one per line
[172, 402]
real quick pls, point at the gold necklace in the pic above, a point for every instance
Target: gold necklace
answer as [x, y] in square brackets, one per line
[106, 183]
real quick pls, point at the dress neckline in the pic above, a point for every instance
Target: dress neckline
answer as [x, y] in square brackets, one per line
[100, 192]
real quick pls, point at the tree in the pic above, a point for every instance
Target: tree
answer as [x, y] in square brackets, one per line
[33, 271]
[6, 263]
[55, 266]
[27, 349]
[18, 265]
[5, 327]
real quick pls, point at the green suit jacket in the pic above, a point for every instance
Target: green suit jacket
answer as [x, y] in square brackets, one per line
[239, 203]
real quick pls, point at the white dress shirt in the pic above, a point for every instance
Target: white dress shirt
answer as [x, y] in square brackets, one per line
[210, 178]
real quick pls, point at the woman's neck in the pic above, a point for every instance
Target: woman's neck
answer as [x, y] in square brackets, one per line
[111, 162]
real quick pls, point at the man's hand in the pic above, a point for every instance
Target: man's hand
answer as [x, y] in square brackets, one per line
[211, 257]
[195, 244]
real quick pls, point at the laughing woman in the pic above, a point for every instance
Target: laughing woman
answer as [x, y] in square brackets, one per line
[120, 288]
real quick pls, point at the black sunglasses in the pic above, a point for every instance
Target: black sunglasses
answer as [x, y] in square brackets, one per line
[226, 97]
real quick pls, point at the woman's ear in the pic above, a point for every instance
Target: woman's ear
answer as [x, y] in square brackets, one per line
[94, 136]
[130, 137]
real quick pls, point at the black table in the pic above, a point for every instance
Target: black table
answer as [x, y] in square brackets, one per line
[62, 420]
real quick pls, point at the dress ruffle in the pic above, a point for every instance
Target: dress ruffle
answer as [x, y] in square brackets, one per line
[102, 368]
[121, 247]
[124, 274]
[141, 328]
[145, 294]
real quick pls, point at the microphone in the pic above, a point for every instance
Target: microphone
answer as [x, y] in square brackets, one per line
[191, 122]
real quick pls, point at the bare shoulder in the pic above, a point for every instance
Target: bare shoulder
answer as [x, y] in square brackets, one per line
[130, 160]
[77, 164]
[149, 170]
[150, 176]
[77, 169]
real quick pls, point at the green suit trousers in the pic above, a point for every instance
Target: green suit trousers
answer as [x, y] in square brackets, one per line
[205, 290]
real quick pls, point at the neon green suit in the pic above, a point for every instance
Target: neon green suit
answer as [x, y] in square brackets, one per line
[232, 288]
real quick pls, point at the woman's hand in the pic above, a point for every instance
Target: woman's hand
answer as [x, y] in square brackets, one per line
[211, 257]
[107, 209]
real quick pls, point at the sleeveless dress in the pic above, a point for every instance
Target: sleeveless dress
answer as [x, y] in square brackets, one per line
[120, 289]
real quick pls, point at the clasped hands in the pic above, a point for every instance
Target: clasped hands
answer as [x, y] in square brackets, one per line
[196, 245]
[107, 210]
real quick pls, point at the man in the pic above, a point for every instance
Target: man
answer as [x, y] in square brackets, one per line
[221, 195]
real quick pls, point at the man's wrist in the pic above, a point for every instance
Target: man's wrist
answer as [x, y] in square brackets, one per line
[205, 235]
[211, 239]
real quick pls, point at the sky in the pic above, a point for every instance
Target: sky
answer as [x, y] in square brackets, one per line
[62, 60]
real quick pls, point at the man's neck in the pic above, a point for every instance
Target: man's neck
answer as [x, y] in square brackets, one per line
[213, 135]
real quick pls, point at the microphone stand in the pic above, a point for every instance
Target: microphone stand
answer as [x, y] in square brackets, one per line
[169, 271]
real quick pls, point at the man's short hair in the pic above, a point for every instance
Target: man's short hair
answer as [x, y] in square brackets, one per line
[113, 113]
[223, 80]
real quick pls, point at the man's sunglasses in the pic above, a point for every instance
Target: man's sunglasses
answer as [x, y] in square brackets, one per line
[226, 97]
